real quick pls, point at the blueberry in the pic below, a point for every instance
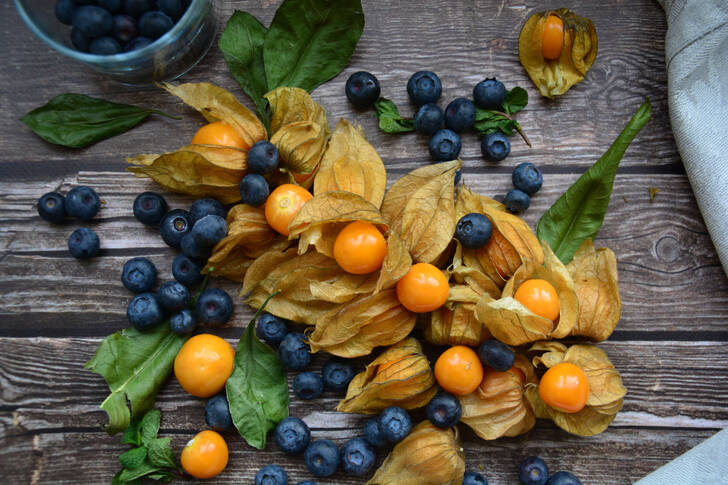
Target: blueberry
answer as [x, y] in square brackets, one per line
[527, 177]
[149, 208]
[50, 207]
[428, 119]
[271, 475]
[136, 8]
[64, 11]
[217, 413]
[139, 275]
[214, 307]
[444, 410]
[83, 243]
[183, 322]
[104, 46]
[563, 478]
[473, 230]
[80, 41]
[474, 478]
[372, 433]
[533, 471]
[138, 43]
[517, 201]
[362, 89]
[173, 8]
[424, 87]
[270, 328]
[395, 424]
[254, 189]
[144, 311]
[308, 385]
[92, 21]
[82, 202]
[460, 114]
[489, 94]
[357, 457]
[113, 6]
[206, 207]
[186, 270]
[496, 355]
[495, 146]
[292, 435]
[445, 145]
[173, 296]
[155, 24]
[210, 230]
[174, 225]
[125, 28]
[458, 177]
[263, 157]
[294, 351]
[337, 375]
[322, 458]
[192, 247]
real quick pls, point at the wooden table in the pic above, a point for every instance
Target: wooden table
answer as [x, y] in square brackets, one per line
[671, 345]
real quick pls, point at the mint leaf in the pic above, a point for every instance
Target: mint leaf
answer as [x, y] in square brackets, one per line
[133, 458]
[163, 476]
[516, 100]
[150, 425]
[389, 119]
[132, 434]
[487, 122]
[144, 469]
[160, 453]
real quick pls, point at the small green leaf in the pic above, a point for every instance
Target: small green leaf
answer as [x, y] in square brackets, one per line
[133, 458]
[144, 469]
[150, 425]
[487, 122]
[161, 454]
[163, 476]
[132, 434]
[389, 119]
[516, 100]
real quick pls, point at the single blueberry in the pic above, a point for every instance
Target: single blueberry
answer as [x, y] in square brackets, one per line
[263, 158]
[155, 24]
[113, 6]
[271, 328]
[271, 475]
[495, 146]
[527, 177]
[473, 230]
[292, 435]
[80, 41]
[214, 307]
[217, 413]
[428, 119]
[294, 351]
[321, 458]
[82, 202]
[191, 246]
[254, 189]
[174, 225]
[144, 311]
[183, 322]
[125, 28]
[424, 87]
[174, 296]
[173, 8]
[104, 46]
[517, 201]
[395, 424]
[138, 43]
[357, 457]
[308, 385]
[445, 145]
[209, 230]
[372, 433]
[50, 207]
[64, 11]
[496, 355]
[533, 471]
[474, 478]
[460, 114]
[337, 375]
[563, 478]
[206, 207]
[187, 271]
[444, 410]
[139, 275]
[92, 21]
[489, 94]
[149, 208]
[362, 89]
[83, 243]
[136, 8]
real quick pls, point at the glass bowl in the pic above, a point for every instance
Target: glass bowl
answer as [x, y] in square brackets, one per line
[167, 58]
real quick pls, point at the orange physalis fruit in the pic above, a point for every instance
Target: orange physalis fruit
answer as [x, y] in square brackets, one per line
[564, 387]
[423, 289]
[205, 455]
[203, 365]
[540, 297]
[360, 248]
[218, 133]
[458, 370]
[283, 204]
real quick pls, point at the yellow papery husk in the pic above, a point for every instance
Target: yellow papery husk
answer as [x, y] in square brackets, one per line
[427, 456]
[606, 391]
[480, 282]
[512, 323]
[291, 105]
[498, 407]
[356, 327]
[555, 77]
[597, 288]
[396, 264]
[454, 323]
[400, 376]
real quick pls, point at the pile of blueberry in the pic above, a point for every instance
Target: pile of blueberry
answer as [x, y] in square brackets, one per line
[263, 159]
[107, 27]
[533, 471]
[81, 203]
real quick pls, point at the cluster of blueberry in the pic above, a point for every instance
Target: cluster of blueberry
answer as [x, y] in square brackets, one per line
[263, 159]
[107, 27]
[533, 471]
[81, 203]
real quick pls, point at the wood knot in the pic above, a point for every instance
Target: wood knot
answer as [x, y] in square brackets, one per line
[667, 249]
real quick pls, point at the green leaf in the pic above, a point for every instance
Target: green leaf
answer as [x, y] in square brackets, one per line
[163, 476]
[241, 44]
[132, 434]
[487, 121]
[150, 425]
[146, 468]
[516, 100]
[133, 458]
[389, 119]
[257, 389]
[77, 121]
[161, 454]
[579, 212]
[310, 41]
[135, 365]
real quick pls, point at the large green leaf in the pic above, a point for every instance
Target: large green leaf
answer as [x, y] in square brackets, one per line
[579, 212]
[311, 41]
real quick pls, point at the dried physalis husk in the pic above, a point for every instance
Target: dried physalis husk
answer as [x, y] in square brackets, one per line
[354, 328]
[554, 77]
[454, 323]
[427, 456]
[595, 281]
[396, 263]
[498, 407]
[400, 376]
[606, 391]
[420, 206]
[512, 323]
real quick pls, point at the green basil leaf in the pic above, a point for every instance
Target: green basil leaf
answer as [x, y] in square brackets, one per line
[579, 212]
[516, 100]
[145, 469]
[161, 454]
[150, 425]
[133, 458]
[257, 390]
[77, 121]
[389, 119]
[132, 434]
[241, 44]
[310, 41]
[135, 365]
